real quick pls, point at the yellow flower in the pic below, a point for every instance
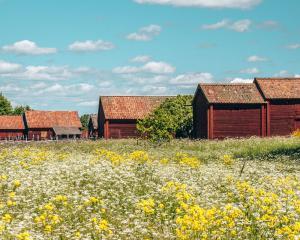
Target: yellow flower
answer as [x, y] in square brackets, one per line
[139, 156]
[228, 160]
[23, 236]
[48, 229]
[11, 203]
[147, 206]
[7, 218]
[77, 234]
[17, 183]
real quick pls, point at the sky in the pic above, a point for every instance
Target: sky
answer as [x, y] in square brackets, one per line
[63, 55]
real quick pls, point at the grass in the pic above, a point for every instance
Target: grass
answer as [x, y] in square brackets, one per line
[129, 189]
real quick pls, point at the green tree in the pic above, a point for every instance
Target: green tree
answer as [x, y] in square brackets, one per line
[85, 120]
[5, 106]
[173, 118]
[19, 110]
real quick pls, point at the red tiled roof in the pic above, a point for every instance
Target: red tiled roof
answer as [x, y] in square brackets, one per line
[231, 93]
[94, 119]
[279, 88]
[11, 123]
[50, 119]
[130, 107]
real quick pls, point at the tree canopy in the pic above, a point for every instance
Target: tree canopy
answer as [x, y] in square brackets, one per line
[173, 118]
[85, 120]
[7, 109]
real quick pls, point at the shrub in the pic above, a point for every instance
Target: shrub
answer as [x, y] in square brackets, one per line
[173, 118]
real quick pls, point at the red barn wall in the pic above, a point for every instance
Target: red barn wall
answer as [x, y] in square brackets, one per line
[284, 117]
[200, 107]
[40, 134]
[237, 121]
[10, 134]
[122, 129]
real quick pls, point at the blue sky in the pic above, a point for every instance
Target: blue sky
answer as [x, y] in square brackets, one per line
[65, 54]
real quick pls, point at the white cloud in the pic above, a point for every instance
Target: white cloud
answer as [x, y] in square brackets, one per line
[240, 4]
[241, 80]
[255, 58]
[7, 67]
[65, 90]
[150, 67]
[88, 104]
[282, 73]
[40, 85]
[192, 79]
[45, 73]
[91, 46]
[145, 33]
[297, 76]
[141, 59]
[238, 26]
[294, 46]
[250, 71]
[27, 47]
[269, 24]
[154, 90]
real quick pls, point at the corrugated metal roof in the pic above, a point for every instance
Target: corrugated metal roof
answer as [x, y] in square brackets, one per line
[11, 123]
[66, 131]
[279, 88]
[50, 119]
[232, 93]
[130, 107]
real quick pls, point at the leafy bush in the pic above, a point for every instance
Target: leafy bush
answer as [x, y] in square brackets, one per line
[173, 118]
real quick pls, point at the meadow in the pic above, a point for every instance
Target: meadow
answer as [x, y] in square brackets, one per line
[130, 189]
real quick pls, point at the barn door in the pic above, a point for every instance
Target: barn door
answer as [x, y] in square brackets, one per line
[297, 124]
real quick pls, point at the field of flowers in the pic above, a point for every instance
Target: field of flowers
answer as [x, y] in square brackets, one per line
[129, 189]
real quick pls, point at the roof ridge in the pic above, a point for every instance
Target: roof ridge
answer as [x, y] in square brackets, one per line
[226, 84]
[140, 96]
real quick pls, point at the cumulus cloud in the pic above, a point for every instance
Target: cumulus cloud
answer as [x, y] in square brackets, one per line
[241, 80]
[255, 58]
[150, 67]
[269, 25]
[8, 67]
[64, 90]
[192, 79]
[297, 76]
[240, 4]
[294, 46]
[27, 47]
[250, 71]
[91, 46]
[145, 33]
[141, 59]
[237, 26]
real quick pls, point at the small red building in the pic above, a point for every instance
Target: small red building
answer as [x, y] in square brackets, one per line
[118, 115]
[228, 110]
[93, 126]
[283, 104]
[11, 127]
[43, 125]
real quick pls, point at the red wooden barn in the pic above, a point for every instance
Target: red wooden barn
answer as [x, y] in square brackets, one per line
[42, 125]
[283, 104]
[118, 115]
[93, 126]
[11, 127]
[228, 110]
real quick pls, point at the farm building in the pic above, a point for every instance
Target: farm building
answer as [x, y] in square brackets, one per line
[118, 115]
[43, 125]
[228, 110]
[283, 104]
[93, 126]
[11, 127]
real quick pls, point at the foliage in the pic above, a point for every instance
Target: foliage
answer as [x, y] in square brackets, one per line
[5, 106]
[19, 110]
[117, 189]
[172, 118]
[85, 120]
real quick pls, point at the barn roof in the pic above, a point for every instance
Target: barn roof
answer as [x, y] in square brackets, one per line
[50, 119]
[94, 119]
[66, 130]
[279, 88]
[11, 123]
[129, 107]
[231, 93]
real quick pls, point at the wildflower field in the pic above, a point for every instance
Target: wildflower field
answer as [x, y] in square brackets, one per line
[129, 189]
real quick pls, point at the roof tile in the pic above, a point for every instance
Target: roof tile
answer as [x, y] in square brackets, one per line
[279, 88]
[231, 93]
[50, 119]
[11, 123]
[130, 107]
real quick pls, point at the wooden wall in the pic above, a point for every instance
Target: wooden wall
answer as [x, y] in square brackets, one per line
[11, 134]
[40, 134]
[237, 121]
[122, 129]
[284, 117]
